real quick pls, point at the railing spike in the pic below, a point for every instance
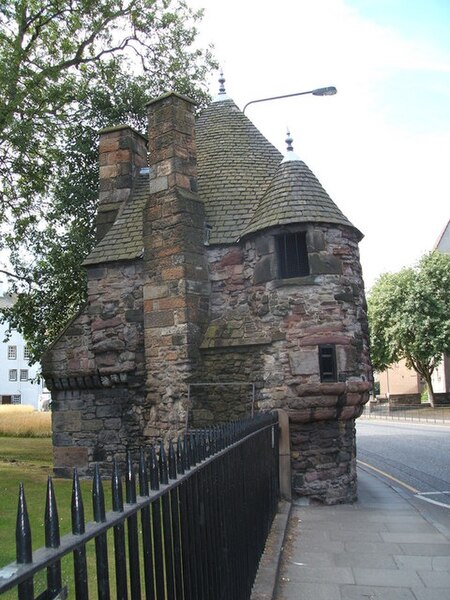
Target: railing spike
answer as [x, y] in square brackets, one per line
[98, 497]
[116, 487]
[180, 457]
[172, 461]
[24, 553]
[130, 481]
[77, 506]
[153, 464]
[163, 475]
[51, 521]
[187, 464]
[143, 476]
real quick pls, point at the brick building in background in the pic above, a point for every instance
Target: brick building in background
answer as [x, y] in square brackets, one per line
[225, 280]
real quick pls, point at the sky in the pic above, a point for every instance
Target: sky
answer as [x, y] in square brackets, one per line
[381, 146]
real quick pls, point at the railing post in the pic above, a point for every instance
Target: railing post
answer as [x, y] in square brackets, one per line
[101, 545]
[133, 539]
[78, 528]
[147, 545]
[119, 536]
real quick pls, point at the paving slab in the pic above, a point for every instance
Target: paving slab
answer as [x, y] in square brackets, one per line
[364, 592]
[379, 548]
[432, 594]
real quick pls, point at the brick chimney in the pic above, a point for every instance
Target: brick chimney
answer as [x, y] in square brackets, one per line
[176, 285]
[123, 151]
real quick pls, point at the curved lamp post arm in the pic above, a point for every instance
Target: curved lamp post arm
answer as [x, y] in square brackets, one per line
[325, 91]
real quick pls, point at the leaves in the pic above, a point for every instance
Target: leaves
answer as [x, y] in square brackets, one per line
[409, 315]
[67, 70]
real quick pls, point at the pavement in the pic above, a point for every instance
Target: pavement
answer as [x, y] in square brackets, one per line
[380, 548]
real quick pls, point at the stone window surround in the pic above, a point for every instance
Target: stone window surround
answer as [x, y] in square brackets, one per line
[12, 352]
[327, 352]
[23, 374]
[292, 266]
[13, 375]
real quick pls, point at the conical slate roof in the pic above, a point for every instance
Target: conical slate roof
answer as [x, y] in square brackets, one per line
[244, 187]
[294, 195]
[235, 165]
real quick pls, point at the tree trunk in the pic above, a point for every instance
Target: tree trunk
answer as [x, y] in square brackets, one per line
[430, 390]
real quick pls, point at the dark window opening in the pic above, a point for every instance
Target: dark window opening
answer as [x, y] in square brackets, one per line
[292, 255]
[327, 362]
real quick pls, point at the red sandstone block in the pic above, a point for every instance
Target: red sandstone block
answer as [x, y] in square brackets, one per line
[108, 171]
[168, 251]
[123, 155]
[234, 257]
[164, 168]
[159, 318]
[175, 302]
[109, 142]
[153, 212]
[172, 273]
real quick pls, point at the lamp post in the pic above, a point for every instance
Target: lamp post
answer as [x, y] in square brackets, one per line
[325, 91]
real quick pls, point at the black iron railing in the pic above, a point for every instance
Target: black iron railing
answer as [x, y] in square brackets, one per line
[194, 530]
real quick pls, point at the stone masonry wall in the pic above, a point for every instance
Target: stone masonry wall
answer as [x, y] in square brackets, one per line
[176, 286]
[95, 371]
[285, 321]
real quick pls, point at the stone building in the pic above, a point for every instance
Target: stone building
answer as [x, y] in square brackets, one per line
[225, 280]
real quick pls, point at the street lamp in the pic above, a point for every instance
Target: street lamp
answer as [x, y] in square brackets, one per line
[325, 91]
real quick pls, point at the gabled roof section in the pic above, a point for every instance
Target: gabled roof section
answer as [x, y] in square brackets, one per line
[295, 195]
[235, 166]
[124, 240]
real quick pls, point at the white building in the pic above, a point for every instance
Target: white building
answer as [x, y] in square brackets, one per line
[441, 375]
[16, 375]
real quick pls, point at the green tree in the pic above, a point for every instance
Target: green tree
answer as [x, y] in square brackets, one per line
[409, 317]
[68, 69]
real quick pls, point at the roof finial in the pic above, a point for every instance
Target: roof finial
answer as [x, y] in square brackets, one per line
[222, 95]
[290, 154]
[289, 141]
[222, 83]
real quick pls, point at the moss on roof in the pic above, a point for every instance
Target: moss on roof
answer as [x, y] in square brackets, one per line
[124, 240]
[294, 195]
[235, 165]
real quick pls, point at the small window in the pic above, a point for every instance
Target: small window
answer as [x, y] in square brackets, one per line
[13, 374]
[26, 353]
[23, 374]
[12, 352]
[292, 255]
[16, 399]
[327, 362]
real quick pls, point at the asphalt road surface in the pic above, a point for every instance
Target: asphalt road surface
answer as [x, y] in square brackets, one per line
[413, 458]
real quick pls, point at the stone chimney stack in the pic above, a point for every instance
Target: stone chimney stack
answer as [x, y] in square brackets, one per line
[123, 151]
[176, 285]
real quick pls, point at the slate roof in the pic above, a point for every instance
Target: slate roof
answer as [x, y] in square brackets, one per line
[124, 240]
[241, 182]
[294, 195]
[235, 165]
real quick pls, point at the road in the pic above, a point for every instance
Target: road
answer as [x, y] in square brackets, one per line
[413, 458]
